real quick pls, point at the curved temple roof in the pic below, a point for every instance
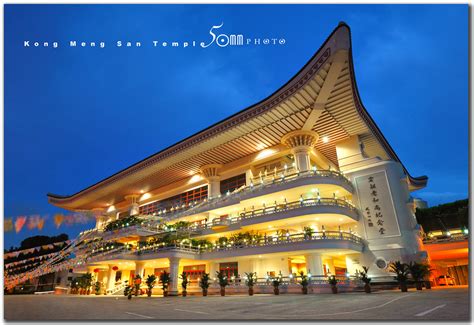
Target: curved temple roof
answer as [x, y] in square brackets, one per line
[242, 134]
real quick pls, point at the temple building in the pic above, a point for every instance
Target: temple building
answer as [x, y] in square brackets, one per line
[304, 180]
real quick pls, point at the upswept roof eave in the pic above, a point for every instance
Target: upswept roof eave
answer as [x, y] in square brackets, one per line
[416, 182]
[56, 198]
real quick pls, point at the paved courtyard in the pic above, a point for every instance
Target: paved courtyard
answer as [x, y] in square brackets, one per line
[438, 304]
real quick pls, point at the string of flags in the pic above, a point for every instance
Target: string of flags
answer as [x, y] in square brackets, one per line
[35, 249]
[38, 221]
[27, 260]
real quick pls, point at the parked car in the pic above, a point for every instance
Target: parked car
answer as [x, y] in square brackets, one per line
[445, 280]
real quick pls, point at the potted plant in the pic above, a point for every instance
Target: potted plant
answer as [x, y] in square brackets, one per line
[204, 283]
[308, 232]
[127, 291]
[137, 283]
[87, 282]
[426, 271]
[150, 282]
[165, 281]
[250, 281]
[97, 287]
[80, 285]
[364, 277]
[184, 283]
[304, 283]
[333, 282]
[419, 271]
[223, 281]
[74, 286]
[401, 274]
[276, 284]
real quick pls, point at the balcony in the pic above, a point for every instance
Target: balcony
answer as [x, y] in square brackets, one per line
[278, 211]
[265, 184]
[264, 245]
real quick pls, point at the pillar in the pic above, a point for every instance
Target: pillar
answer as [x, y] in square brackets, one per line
[132, 200]
[139, 268]
[99, 217]
[352, 264]
[330, 265]
[111, 278]
[301, 142]
[314, 264]
[213, 268]
[211, 174]
[174, 273]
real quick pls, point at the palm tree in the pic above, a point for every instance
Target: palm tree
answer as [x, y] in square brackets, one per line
[364, 277]
[165, 281]
[204, 283]
[223, 281]
[184, 283]
[419, 271]
[150, 282]
[401, 274]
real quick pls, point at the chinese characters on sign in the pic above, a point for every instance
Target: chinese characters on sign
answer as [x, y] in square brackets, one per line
[377, 206]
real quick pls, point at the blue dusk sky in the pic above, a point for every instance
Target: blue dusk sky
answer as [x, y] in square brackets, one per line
[74, 116]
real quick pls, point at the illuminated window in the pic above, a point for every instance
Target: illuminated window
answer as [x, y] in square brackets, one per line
[233, 183]
[195, 195]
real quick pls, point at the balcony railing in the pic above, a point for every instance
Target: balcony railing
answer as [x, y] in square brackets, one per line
[261, 242]
[279, 207]
[262, 182]
[276, 208]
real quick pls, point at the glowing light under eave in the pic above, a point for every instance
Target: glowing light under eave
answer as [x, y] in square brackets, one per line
[145, 196]
[195, 178]
[265, 153]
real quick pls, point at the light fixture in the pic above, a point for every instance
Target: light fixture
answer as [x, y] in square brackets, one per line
[325, 139]
[260, 146]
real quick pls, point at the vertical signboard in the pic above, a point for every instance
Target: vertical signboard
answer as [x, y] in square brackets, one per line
[376, 204]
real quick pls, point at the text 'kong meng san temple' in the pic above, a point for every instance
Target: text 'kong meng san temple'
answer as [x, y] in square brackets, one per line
[301, 181]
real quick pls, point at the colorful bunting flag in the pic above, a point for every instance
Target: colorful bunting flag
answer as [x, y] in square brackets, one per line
[58, 219]
[19, 223]
[8, 225]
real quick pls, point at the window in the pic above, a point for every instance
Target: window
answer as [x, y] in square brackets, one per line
[194, 272]
[195, 195]
[233, 183]
[230, 269]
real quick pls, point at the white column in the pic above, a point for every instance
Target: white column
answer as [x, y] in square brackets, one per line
[99, 217]
[213, 268]
[111, 278]
[139, 268]
[301, 142]
[211, 174]
[214, 186]
[174, 272]
[330, 264]
[314, 264]
[132, 199]
[352, 264]
[302, 159]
